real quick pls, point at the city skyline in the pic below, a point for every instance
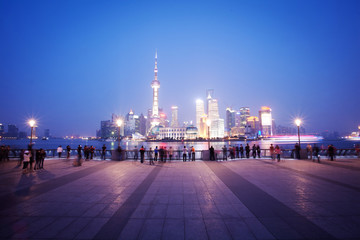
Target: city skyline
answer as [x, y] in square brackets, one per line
[70, 68]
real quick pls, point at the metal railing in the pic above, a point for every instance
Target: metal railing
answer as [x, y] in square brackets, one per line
[178, 154]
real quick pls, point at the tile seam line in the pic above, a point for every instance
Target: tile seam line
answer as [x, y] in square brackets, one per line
[101, 234]
[345, 185]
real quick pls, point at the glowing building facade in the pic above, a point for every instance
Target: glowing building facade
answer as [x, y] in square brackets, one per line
[266, 121]
[174, 117]
[200, 112]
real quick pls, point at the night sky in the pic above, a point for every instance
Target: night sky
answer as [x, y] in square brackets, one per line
[71, 64]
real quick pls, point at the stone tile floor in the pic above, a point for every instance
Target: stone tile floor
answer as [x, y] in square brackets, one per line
[239, 199]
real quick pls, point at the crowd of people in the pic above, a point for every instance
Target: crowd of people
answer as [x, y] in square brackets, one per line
[33, 159]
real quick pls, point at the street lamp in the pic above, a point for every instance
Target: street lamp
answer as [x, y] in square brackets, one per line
[208, 123]
[32, 123]
[298, 123]
[119, 123]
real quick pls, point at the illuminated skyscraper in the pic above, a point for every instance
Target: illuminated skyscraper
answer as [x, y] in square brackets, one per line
[244, 114]
[230, 120]
[174, 116]
[155, 84]
[265, 121]
[200, 112]
[213, 110]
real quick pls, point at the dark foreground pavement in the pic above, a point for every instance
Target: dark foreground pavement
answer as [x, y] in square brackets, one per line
[244, 199]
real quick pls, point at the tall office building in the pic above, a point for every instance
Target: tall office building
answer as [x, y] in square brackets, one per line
[155, 85]
[213, 109]
[13, 131]
[200, 112]
[265, 121]
[230, 120]
[244, 114]
[253, 125]
[174, 117]
[2, 130]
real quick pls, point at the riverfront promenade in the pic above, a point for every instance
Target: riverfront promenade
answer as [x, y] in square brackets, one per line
[240, 199]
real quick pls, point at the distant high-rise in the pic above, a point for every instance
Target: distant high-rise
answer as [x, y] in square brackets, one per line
[244, 114]
[155, 84]
[200, 112]
[213, 112]
[47, 133]
[265, 121]
[174, 116]
[2, 130]
[230, 120]
[13, 131]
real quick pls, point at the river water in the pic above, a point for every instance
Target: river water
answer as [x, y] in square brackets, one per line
[129, 145]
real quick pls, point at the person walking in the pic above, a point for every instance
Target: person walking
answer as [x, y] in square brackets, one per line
[27, 155]
[247, 150]
[277, 152]
[142, 154]
[151, 157]
[224, 149]
[192, 153]
[237, 151]
[68, 150]
[316, 153]
[184, 153]
[59, 151]
[103, 152]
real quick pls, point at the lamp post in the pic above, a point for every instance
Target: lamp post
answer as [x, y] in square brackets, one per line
[119, 123]
[208, 123]
[298, 123]
[32, 123]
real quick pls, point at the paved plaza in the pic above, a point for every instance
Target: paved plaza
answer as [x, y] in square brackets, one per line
[239, 199]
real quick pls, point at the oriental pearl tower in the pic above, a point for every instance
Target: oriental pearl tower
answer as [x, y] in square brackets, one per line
[155, 85]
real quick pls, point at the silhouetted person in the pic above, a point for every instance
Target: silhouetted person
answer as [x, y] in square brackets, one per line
[142, 154]
[68, 150]
[316, 151]
[331, 152]
[241, 149]
[156, 151]
[258, 151]
[212, 153]
[103, 152]
[224, 149]
[184, 154]
[254, 151]
[247, 150]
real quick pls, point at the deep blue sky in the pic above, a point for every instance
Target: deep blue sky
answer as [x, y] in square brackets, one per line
[71, 64]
